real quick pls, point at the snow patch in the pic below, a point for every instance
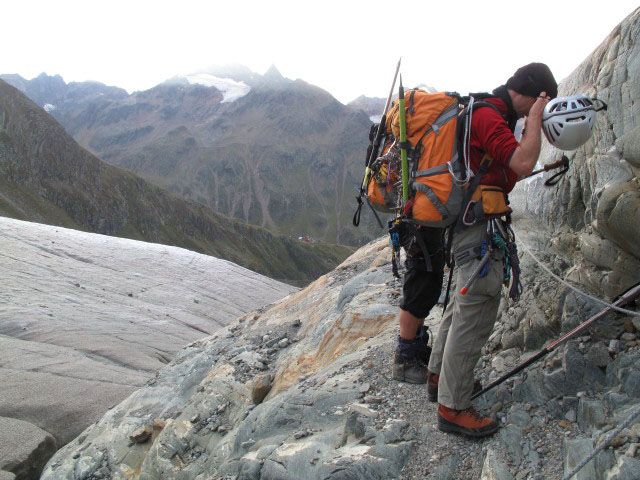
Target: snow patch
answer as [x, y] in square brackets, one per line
[375, 118]
[231, 89]
[48, 107]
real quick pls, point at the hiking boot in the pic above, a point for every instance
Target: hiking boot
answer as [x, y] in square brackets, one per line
[410, 370]
[432, 386]
[467, 421]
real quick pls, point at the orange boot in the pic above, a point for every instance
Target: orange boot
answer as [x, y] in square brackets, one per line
[467, 421]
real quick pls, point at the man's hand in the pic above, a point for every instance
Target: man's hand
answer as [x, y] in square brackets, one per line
[526, 155]
[537, 109]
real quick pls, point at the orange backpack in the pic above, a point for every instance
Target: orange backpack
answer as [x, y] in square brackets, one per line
[438, 178]
[431, 133]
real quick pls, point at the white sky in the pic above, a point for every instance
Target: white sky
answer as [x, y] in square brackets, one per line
[348, 47]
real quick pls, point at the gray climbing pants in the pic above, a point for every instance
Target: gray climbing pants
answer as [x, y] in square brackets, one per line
[467, 323]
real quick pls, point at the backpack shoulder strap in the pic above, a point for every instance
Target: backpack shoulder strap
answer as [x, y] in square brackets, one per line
[479, 103]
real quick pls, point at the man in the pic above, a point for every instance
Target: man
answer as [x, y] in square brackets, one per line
[469, 319]
[420, 292]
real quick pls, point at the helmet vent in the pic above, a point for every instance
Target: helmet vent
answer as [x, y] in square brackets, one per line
[576, 119]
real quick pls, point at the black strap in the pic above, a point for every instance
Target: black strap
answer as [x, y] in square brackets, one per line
[480, 104]
[446, 295]
[356, 216]
[423, 247]
[448, 248]
[412, 110]
[473, 185]
[551, 181]
[375, 214]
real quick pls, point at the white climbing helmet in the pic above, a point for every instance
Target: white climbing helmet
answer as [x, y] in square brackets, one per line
[567, 122]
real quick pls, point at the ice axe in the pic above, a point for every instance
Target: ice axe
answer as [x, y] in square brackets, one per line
[627, 297]
[372, 153]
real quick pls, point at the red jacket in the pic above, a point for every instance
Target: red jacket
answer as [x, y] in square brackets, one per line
[490, 134]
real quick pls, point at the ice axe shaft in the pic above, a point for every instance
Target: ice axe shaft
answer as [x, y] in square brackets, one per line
[629, 296]
[380, 130]
[476, 272]
[562, 163]
[549, 166]
[403, 144]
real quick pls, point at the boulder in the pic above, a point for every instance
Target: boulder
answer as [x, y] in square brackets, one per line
[260, 387]
[626, 469]
[629, 146]
[24, 449]
[493, 468]
[575, 450]
[591, 414]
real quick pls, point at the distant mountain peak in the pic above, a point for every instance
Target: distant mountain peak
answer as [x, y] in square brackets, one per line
[234, 71]
[44, 75]
[273, 73]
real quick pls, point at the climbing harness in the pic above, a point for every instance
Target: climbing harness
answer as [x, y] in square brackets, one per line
[502, 238]
[628, 297]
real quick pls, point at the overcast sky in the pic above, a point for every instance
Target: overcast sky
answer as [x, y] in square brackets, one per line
[347, 47]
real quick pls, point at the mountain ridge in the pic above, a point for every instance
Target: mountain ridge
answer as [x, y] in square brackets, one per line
[303, 126]
[47, 177]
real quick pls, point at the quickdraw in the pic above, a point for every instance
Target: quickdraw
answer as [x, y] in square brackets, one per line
[504, 238]
[498, 238]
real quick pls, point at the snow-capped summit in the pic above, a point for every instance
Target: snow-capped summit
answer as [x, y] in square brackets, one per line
[231, 89]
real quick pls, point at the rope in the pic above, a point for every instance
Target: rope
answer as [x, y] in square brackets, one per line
[466, 148]
[467, 145]
[604, 443]
[575, 289]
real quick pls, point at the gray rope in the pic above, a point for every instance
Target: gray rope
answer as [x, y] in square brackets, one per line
[575, 289]
[604, 444]
[466, 149]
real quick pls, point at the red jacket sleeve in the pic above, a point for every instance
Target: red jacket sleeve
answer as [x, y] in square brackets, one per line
[490, 133]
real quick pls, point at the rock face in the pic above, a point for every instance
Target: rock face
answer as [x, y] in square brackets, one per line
[86, 319]
[592, 214]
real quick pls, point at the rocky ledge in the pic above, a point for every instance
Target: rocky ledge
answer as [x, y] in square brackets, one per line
[303, 390]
